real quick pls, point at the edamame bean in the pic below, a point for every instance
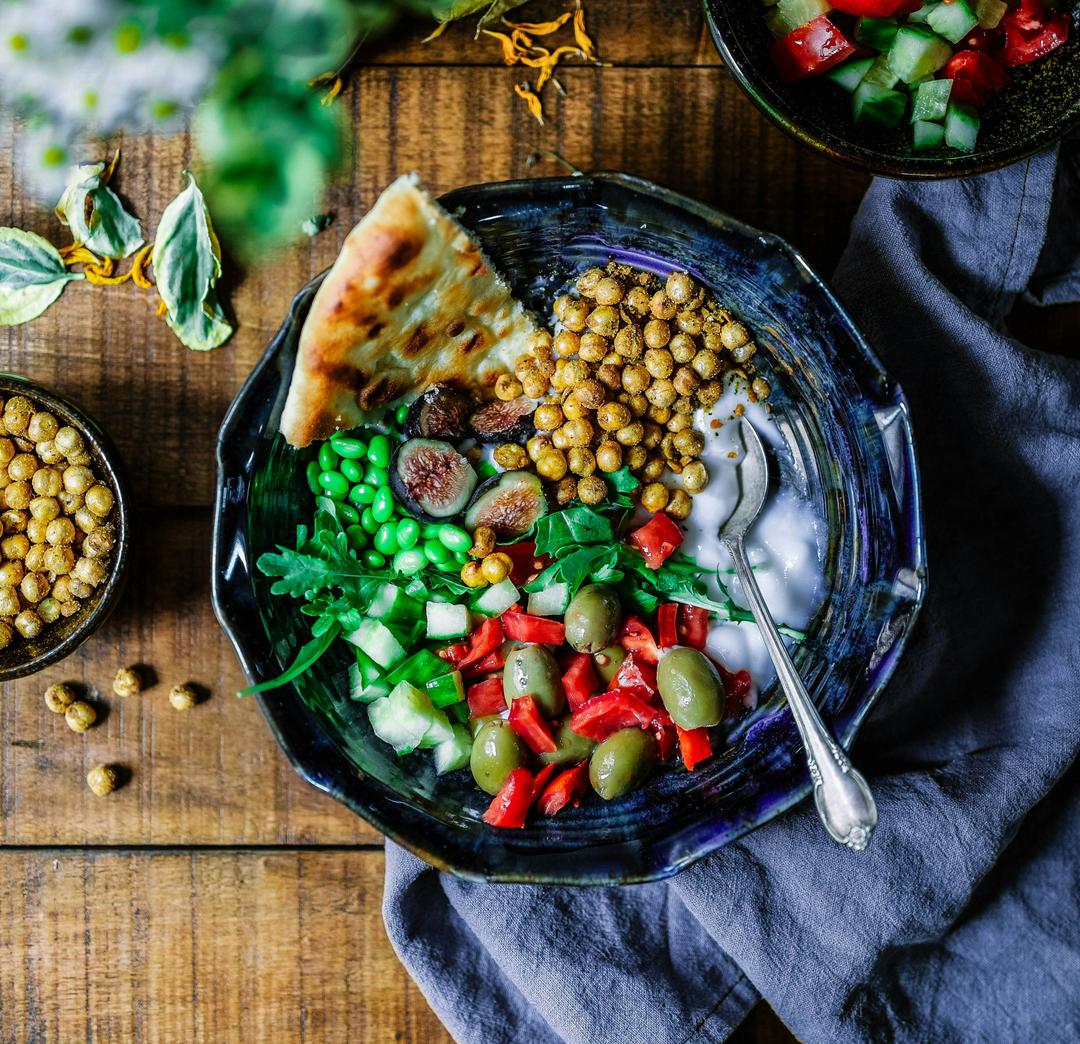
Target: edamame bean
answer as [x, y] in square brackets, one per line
[334, 483]
[382, 507]
[401, 414]
[362, 494]
[328, 459]
[430, 531]
[379, 451]
[373, 559]
[449, 566]
[409, 561]
[369, 522]
[408, 533]
[386, 539]
[348, 447]
[313, 471]
[348, 515]
[435, 553]
[376, 477]
[357, 538]
[351, 470]
[454, 538]
[461, 557]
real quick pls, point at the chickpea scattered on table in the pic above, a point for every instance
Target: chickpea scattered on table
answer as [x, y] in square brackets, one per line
[80, 716]
[102, 779]
[183, 697]
[59, 697]
[127, 682]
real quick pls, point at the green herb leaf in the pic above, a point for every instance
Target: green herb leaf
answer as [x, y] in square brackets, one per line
[455, 9]
[32, 276]
[623, 480]
[96, 216]
[305, 660]
[187, 263]
[577, 524]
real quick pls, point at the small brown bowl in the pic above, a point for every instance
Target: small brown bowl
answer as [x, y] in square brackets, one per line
[27, 656]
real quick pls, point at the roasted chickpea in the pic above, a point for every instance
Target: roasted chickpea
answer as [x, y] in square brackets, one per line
[651, 435]
[69, 608]
[558, 382]
[607, 291]
[612, 416]
[695, 477]
[49, 610]
[689, 443]
[78, 479]
[680, 287]
[11, 573]
[591, 490]
[683, 348]
[574, 372]
[661, 393]
[577, 315]
[34, 562]
[592, 347]
[591, 392]
[635, 457]
[581, 460]
[571, 406]
[68, 441]
[34, 587]
[551, 464]
[59, 697]
[636, 302]
[69, 502]
[472, 574]
[580, 432]
[45, 509]
[494, 568]
[537, 445]
[657, 333]
[679, 505]
[28, 623]
[630, 434]
[17, 495]
[561, 304]
[668, 450]
[560, 438]
[102, 780]
[9, 602]
[46, 482]
[587, 282]
[545, 361]
[734, 335]
[659, 414]
[653, 469]
[759, 388]
[62, 589]
[685, 381]
[510, 456]
[743, 354]
[659, 363]
[540, 341]
[15, 547]
[610, 375]
[89, 570]
[80, 716]
[635, 378]
[548, 416]
[535, 385]
[47, 452]
[524, 366]
[183, 697]
[567, 343]
[60, 531]
[483, 542]
[14, 521]
[61, 560]
[654, 497]
[22, 467]
[689, 323]
[7, 452]
[706, 364]
[566, 490]
[609, 456]
[7, 633]
[630, 342]
[507, 387]
[17, 413]
[679, 422]
[80, 589]
[604, 320]
[81, 459]
[99, 499]
[708, 395]
[42, 426]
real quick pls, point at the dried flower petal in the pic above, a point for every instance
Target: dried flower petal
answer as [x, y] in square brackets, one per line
[523, 91]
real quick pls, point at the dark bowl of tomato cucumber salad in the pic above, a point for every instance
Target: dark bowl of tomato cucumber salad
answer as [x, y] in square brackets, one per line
[906, 88]
[540, 668]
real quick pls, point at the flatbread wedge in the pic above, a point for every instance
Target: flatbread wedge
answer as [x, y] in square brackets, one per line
[410, 301]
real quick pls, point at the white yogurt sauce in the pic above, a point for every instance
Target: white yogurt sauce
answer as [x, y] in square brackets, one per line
[786, 544]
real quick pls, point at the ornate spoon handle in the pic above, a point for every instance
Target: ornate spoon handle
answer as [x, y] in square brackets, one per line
[842, 796]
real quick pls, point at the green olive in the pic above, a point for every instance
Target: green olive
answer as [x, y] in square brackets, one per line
[572, 747]
[531, 670]
[592, 619]
[622, 762]
[690, 688]
[608, 661]
[496, 752]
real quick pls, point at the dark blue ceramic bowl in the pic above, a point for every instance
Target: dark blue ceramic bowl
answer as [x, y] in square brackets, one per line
[846, 425]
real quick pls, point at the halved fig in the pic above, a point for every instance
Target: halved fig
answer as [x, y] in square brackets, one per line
[431, 479]
[509, 503]
[504, 421]
[442, 412]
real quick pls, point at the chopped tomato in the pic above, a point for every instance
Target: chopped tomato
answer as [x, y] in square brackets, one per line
[664, 731]
[636, 638]
[609, 712]
[537, 629]
[454, 653]
[693, 626]
[876, 8]
[1032, 31]
[636, 677]
[810, 49]
[527, 563]
[694, 746]
[657, 539]
[580, 681]
[540, 782]
[667, 627]
[527, 721]
[568, 787]
[975, 77]
[509, 807]
[492, 662]
[486, 698]
[485, 640]
[737, 687]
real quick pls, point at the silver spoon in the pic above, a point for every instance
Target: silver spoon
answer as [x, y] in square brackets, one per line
[843, 798]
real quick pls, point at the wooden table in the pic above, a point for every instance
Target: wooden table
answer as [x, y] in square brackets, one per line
[217, 896]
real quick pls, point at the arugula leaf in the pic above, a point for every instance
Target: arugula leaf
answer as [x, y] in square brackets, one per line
[577, 524]
[96, 216]
[187, 263]
[623, 480]
[304, 661]
[32, 276]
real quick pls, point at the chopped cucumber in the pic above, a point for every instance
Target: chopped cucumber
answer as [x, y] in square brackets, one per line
[882, 73]
[551, 601]
[877, 33]
[453, 753]
[366, 681]
[874, 104]
[497, 598]
[419, 668]
[849, 74]
[961, 127]
[447, 620]
[917, 53]
[445, 690]
[931, 101]
[953, 21]
[406, 720]
[927, 135]
[378, 641]
[920, 17]
[990, 12]
[775, 22]
[392, 605]
[792, 13]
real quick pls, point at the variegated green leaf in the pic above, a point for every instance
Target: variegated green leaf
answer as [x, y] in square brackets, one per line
[96, 216]
[454, 9]
[32, 276]
[187, 263]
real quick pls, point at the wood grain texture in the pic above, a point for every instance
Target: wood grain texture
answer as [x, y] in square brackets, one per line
[197, 947]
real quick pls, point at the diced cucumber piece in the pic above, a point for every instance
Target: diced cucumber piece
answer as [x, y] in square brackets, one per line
[926, 135]
[378, 641]
[392, 605]
[877, 33]
[447, 620]
[961, 127]
[882, 73]
[497, 598]
[552, 601]
[931, 101]
[990, 12]
[406, 720]
[793, 13]
[917, 53]
[366, 680]
[419, 668]
[774, 20]
[877, 105]
[919, 17]
[446, 690]
[850, 74]
[953, 21]
[453, 753]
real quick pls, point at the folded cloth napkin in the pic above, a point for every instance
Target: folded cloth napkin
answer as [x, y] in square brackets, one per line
[961, 922]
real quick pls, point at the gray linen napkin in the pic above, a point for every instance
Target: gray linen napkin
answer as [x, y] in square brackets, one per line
[961, 922]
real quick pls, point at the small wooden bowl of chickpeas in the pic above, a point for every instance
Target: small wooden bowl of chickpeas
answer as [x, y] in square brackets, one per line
[64, 519]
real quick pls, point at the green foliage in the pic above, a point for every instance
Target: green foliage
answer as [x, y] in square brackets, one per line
[96, 216]
[32, 276]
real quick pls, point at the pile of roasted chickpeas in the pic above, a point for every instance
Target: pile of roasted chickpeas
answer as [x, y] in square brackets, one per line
[631, 359]
[56, 539]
